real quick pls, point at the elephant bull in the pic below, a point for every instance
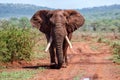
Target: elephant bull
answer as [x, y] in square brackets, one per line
[58, 26]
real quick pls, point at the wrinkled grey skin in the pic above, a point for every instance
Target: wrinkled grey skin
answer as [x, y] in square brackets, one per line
[58, 24]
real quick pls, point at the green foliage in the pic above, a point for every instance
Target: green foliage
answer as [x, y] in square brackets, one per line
[79, 76]
[94, 47]
[39, 50]
[97, 13]
[16, 44]
[104, 18]
[115, 44]
[17, 40]
[103, 25]
[116, 50]
[41, 69]
[18, 10]
[17, 75]
[104, 40]
[22, 22]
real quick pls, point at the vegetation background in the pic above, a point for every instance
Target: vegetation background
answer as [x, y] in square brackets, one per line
[17, 37]
[19, 41]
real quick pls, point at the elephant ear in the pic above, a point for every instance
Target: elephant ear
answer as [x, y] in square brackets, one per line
[40, 21]
[74, 20]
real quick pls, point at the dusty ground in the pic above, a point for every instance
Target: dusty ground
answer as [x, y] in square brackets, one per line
[89, 60]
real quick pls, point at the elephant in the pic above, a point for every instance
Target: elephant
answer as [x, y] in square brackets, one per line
[58, 26]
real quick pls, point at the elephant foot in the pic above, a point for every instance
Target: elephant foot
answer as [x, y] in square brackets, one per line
[62, 66]
[57, 66]
[53, 65]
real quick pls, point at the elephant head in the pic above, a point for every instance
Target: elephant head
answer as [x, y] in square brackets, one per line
[57, 24]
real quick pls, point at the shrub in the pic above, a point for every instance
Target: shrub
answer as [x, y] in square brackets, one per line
[15, 44]
[115, 44]
[103, 40]
[116, 51]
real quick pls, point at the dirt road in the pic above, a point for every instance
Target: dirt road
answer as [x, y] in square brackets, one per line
[89, 60]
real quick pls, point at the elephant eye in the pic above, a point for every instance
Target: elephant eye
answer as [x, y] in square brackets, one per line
[61, 16]
[50, 15]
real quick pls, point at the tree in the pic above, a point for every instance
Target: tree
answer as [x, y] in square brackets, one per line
[4, 24]
[113, 29]
[24, 22]
[95, 25]
[14, 21]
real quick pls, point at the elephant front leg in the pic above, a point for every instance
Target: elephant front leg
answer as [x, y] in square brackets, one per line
[52, 57]
[52, 53]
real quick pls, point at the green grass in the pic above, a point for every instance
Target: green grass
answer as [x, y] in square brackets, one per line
[79, 76]
[115, 45]
[94, 47]
[17, 75]
[39, 51]
[101, 38]
[41, 47]
[2, 67]
[116, 59]
[41, 69]
[40, 55]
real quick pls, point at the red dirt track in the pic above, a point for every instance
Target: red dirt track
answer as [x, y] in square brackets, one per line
[89, 60]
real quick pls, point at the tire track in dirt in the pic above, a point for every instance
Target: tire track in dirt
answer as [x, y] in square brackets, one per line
[84, 62]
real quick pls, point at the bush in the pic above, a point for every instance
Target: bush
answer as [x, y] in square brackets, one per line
[116, 51]
[15, 44]
[115, 44]
[103, 40]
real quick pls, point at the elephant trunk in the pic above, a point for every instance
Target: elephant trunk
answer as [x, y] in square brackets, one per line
[58, 37]
[59, 51]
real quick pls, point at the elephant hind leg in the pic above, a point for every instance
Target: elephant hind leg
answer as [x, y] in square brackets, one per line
[65, 46]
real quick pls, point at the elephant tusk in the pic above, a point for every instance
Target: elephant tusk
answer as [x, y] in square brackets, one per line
[68, 41]
[49, 43]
